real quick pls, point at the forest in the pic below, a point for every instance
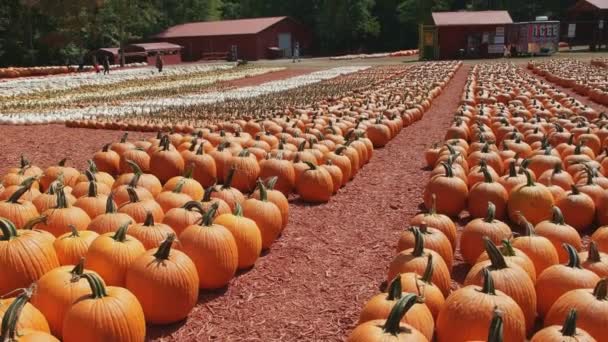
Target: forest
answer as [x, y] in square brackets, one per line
[47, 32]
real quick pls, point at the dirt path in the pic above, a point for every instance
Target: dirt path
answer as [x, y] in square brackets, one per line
[332, 257]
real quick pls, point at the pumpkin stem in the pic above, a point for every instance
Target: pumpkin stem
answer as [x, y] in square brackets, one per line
[529, 228]
[394, 289]
[110, 205]
[601, 289]
[189, 171]
[210, 214]
[200, 151]
[92, 166]
[497, 259]
[558, 217]
[574, 189]
[163, 251]
[433, 210]
[448, 170]
[149, 221]
[190, 205]
[8, 329]
[229, 177]
[74, 231]
[428, 271]
[512, 170]
[133, 197]
[78, 270]
[29, 225]
[488, 283]
[98, 289]
[262, 188]
[92, 189]
[573, 259]
[90, 176]
[179, 186]
[311, 166]
[392, 324]
[62, 162]
[507, 248]
[62, 201]
[24, 187]
[529, 180]
[418, 242]
[121, 233]
[208, 192]
[486, 175]
[8, 229]
[245, 153]
[272, 181]
[495, 333]
[594, 253]
[23, 162]
[491, 213]
[569, 327]
[105, 148]
[136, 169]
[557, 169]
[238, 210]
[124, 138]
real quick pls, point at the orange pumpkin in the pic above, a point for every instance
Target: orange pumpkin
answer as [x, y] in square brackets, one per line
[451, 193]
[17, 210]
[533, 200]
[139, 209]
[149, 233]
[315, 184]
[60, 218]
[111, 220]
[438, 221]
[558, 232]
[10, 330]
[165, 162]
[539, 249]
[72, 247]
[568, 332]
[265, 214]
[595, 261]
[30, 316]
[423, 286]
[471, 238]
[246, 234]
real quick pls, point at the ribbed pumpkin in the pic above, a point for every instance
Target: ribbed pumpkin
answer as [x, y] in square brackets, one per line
[265, 214]
[595, 261]
[149, 233]
[451, 193]
[467, 313]
[379, 307]
[159, 272]
[558, 232]
[94, 204]
[246, 234]
[247, 171]
[72, 247]
[559, 279]
[70, 175]
[337, 158]
[533, 200]
[512, 179]
[166, 163]
[578, 209]
[139, 209]
[591, 305]
[111, 254]
[315, 184]
[600, 237]
[10, 329]
[226, 192]
[136, 155]
[63, 215]
[213, 250]
[423, 286]
[275, 197]
[282, 169]
[568, 332]
[471, 238]
[123, 145]
[416, 259]
[484, 192]
[539, 249]
[30, 317]
[107, 160]
[175, 198]
[57, 290]
[438, 221]
[83, 188]
[434, 240]
[336, 174]
[509, 278]
[145, 180]
[180, 218]
[391, 329]
[17, 210]
[25, 255]
[515, 256]
[48, 199]
[189, 185]
[107, 314]
[111, 220]
[204, 169]
[99, 176]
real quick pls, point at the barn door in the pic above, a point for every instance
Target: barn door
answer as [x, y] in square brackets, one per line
[285, 44]
[428, 42]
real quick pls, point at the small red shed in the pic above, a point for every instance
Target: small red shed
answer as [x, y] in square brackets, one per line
[587, 24]
[254, 38]
[148, 51]
[473, 34]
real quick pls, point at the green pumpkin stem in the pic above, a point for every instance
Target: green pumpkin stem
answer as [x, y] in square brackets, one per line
[557, 217]
[529, 180]
[491, 213]
[433, 209]
[110, 205]
[507, 248]
[448, 170]
[180, 186]
[393, 322]
[272, 181]
[24, 187]
[29, 225]
[133, 197]
[495, 333]
[238, 210]
[90, 176]
[594, 254]
[98, 289]
[92, 166]
[191, 205]
[229, 177]
[496, 258]
[92, 189]
[105, 148]
[8, 328]
[78, 270]
[394, 289]
[163, 251]
[487, 176]
[208, 192]
[73, 230]
[512, 170]
[573, 259]
[569, 327]
[121, 233]
[9, 231]
[488, 283]
[418, 242]
[263, 193]
[136, 169]
[311, 166]
[23, 162]
[427, 276]
[62, 162]
[601, 290]
[189, 171]
[210, 214]
[574, 189]
[62, 201]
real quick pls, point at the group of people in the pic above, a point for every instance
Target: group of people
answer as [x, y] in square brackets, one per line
[106, 64]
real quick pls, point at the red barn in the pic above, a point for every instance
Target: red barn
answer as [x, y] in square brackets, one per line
[254, 38]
[476, 34]
[147, 52]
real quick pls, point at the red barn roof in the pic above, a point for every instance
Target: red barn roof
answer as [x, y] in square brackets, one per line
[220, 28]
[601, 4]
[469, 18]
[157, 46]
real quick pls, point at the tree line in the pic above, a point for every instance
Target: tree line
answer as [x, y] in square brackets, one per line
[43, 32]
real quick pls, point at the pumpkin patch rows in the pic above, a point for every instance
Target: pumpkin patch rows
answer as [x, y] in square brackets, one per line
[525, 162]
[92, 255]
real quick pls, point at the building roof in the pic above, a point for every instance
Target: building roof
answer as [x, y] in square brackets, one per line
[600, 4]
[220, 28]
[157, 46]
[113, 51]
[468, 18]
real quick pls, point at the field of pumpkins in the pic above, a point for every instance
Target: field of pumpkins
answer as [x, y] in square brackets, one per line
[134, 239]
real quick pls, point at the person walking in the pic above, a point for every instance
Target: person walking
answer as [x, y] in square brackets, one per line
[106, 65]
[159, 62]
[296, 52]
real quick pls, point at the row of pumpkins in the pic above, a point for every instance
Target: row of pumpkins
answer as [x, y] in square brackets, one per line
[147, 218]
[515, 279]
[35, 71]
[587, 79]
[366, 93]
